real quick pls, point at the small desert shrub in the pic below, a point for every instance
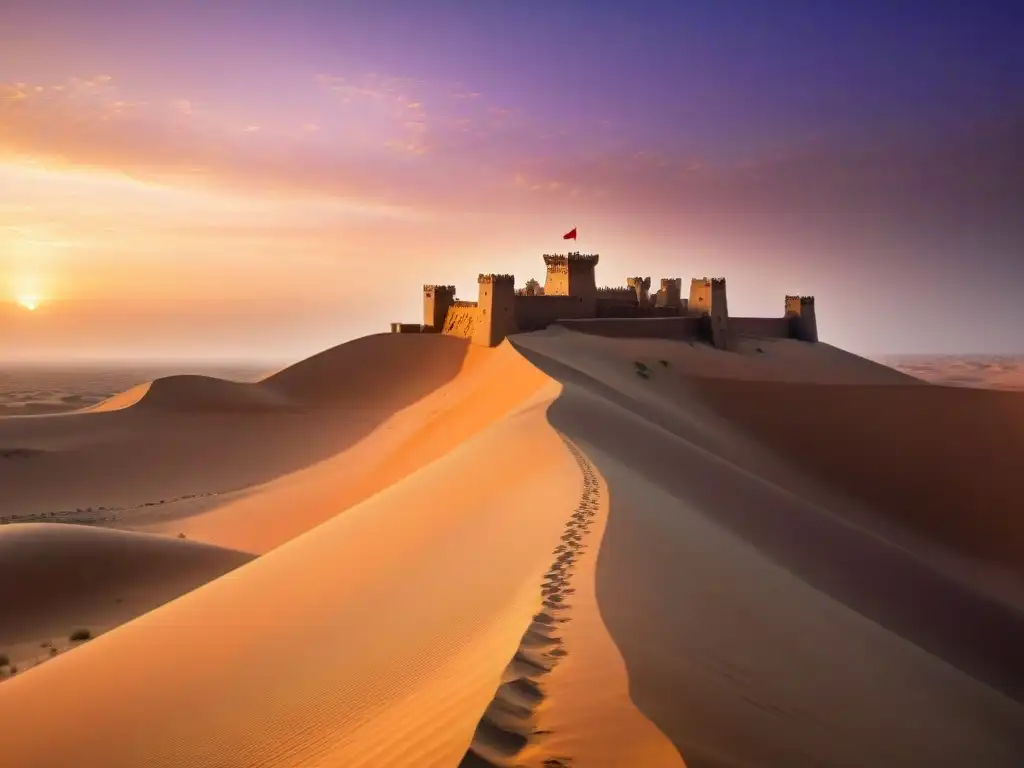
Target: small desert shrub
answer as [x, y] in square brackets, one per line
[643, 373]
[53, 651]
[79, 635]
[4, 660]
[181, 535]
[664, 363]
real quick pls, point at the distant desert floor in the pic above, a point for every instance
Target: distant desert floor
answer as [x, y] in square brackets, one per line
[986, 372]
[565, 551]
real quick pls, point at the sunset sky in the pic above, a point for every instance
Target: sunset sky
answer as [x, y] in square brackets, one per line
[266, 179]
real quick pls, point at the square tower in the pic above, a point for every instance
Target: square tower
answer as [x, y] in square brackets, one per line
[572, 274]
[437, 300]
[496, 308]
[670, 292]
[803, 323]
[700, 296]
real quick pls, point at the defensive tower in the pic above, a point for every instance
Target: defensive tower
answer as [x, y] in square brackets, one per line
[721, 338]
[642, 286]
[803, 323]
[572, 274]
[700, 296]
[670, 292]
[496, 307]
[437, 300]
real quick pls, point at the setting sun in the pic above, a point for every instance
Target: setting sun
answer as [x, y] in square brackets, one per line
[28, 302]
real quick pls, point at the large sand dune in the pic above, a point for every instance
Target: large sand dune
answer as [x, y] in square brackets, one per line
[535, 555]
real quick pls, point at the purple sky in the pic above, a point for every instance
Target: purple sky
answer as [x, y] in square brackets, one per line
[300, 168]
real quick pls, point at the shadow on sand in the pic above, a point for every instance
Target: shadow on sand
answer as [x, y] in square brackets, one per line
[886, 584]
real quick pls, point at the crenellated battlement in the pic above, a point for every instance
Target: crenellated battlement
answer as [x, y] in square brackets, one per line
[717, 281]
[619, 293]
[496, 279]
[439, 289]
[561, 259]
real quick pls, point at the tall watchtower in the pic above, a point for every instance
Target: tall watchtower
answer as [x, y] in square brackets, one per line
[803, 323]
[496, 308]
[721, 338]
[572, 274]
[437, 300]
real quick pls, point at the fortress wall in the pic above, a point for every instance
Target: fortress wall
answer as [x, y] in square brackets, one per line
[623, 295]
[461, 320]
[684, 328]
[536, 312]
[763, 327]
[410, 328]
[615, 308]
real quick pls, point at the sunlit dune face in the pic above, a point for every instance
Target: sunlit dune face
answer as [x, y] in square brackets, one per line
[28, 302]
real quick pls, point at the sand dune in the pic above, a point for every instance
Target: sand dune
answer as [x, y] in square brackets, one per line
[195, 438]
[56, 578]
[567, 550]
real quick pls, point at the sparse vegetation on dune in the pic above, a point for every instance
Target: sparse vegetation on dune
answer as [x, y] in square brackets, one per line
[80, 635]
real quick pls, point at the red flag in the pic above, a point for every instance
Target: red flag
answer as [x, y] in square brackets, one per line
[570, 235]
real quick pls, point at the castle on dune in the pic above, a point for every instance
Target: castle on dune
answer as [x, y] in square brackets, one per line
[570, 297]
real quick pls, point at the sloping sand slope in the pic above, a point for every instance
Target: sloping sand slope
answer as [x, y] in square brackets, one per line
[189, 436]
[56, 578]
[660, 579]
[757, 627]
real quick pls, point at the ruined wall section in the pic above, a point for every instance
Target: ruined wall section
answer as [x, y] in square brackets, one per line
[642, 287]
[462, 319]
[496, 317]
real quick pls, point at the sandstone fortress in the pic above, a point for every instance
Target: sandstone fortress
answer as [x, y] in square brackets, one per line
[570, 297]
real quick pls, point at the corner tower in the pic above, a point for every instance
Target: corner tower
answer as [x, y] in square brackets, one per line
[437, 300]
[803, 323]
[496, 308]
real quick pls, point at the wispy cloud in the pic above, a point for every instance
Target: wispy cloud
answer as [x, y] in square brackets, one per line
[395, 140]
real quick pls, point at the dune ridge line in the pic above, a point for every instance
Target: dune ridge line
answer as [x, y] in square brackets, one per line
[506, 729]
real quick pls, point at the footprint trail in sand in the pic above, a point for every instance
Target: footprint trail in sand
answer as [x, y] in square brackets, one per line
[507, 727]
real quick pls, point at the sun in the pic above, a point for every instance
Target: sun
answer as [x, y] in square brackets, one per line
[28, 302]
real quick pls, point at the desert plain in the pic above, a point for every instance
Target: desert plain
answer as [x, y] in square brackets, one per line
[567, 550]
